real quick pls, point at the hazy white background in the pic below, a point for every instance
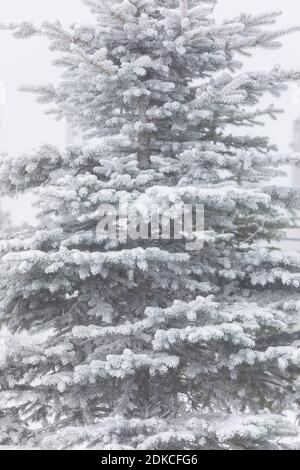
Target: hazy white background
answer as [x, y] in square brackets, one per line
[23, 124]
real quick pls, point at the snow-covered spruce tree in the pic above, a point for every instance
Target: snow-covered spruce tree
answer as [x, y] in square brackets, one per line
[5, 232]
[5, 222]
[143, 344]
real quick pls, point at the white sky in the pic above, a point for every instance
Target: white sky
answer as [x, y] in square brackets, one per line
[23, 124]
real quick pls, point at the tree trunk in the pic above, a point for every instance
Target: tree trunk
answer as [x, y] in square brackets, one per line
[143, 140]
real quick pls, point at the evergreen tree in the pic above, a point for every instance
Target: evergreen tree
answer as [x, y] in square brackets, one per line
[5, 222]
[142, 344]
[5, 233]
